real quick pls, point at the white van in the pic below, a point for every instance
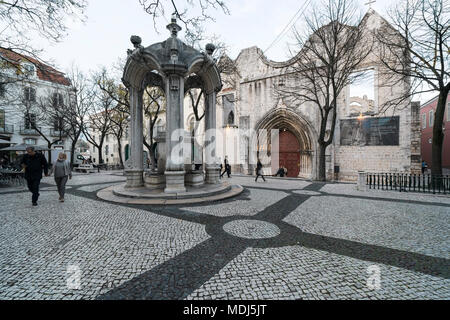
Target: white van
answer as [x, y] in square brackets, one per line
[78, 159]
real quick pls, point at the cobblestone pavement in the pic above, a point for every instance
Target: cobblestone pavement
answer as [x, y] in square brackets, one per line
[280, 239]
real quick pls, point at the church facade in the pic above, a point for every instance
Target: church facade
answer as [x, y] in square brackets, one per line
[365, 138]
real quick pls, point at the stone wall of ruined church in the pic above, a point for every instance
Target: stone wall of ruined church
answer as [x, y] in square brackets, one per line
[255, 94]
[352, 159]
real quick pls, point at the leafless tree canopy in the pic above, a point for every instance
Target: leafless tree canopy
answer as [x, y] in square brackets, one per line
[192, 13]
[417, 48]
[329, 51]
[80, 104]
[417, 45]
[48, 18]
[21, 19]
[118, 115]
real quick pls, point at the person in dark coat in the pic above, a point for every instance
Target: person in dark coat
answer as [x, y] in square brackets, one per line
[34, 163]
[259, 171]
[280, 172]
[227, 168]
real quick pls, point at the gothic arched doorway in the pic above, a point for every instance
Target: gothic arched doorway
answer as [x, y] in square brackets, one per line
[289, 153]
[294, 145]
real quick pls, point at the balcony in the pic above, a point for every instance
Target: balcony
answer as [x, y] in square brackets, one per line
[29, 131]
[57, 133]
[7, 129]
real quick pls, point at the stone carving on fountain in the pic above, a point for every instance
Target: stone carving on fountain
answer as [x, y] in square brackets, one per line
[174, 67]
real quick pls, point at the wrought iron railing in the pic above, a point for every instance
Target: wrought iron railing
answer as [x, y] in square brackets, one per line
[7, 128]
[427, 183]
[29, 131]
[57, 133]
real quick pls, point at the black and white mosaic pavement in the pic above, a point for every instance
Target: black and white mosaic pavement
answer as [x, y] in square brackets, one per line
[282, 239]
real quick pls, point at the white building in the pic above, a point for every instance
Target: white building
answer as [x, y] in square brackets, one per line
[25, 80]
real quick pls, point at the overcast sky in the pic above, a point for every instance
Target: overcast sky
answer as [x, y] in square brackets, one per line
[110, 23]
[104, 37]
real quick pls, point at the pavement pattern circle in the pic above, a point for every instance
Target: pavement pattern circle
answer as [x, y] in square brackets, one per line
[251, 229]
[307, 192]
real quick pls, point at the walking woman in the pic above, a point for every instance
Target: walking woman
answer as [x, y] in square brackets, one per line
[259, 171]
[62, 172]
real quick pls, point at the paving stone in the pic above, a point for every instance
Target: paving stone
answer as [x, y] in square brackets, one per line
[308, 241]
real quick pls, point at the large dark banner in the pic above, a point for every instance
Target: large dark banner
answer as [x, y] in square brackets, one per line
[370, 132]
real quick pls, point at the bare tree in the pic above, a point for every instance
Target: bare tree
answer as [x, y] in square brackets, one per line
[75, 115]
[22, 19]
[416, 47]
[119, 123]
[154, 105]
[228, 70]
[98, 123]
[186, 13]
[330, 50]
[47, 18]
[46, 112]
[225, 65]
[120, 113]
[195, 97]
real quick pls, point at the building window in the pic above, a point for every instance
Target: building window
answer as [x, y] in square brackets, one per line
[362, 93]
[57, 100]
[424, 120]
[228, 108]
[29, 94]
[29, 69]
[30, 121]
[431, 118]
[2, 118]
[106, 149]
[57, 124]
[30, 141]
[231, 118]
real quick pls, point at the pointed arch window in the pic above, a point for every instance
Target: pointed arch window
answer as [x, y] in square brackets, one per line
[231, 118]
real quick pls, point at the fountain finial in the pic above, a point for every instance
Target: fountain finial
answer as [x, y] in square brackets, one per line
[173, 26]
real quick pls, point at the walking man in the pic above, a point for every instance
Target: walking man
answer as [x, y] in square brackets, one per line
[34, 163]
[62, 173]
[227, 168]
[259, 171]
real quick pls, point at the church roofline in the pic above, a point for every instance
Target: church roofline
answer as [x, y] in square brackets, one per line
[284, 64]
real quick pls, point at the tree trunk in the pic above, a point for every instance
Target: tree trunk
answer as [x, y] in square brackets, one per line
[152, 157]
[322, 162]
[119, 144]
[72, 153]
[49, 154]
[151, 154]
[72, 149]
[438, 134]
[100, 156]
